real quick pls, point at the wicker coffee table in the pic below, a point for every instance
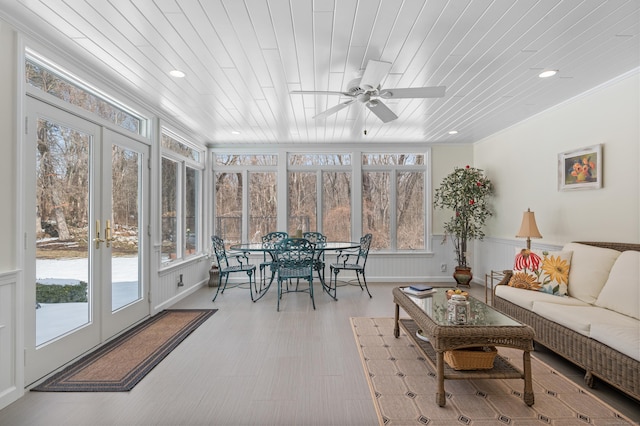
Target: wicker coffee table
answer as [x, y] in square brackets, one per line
[486, 327]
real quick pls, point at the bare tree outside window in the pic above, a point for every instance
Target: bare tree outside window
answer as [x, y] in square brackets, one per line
[228, 200]
[302, 202]
[263, 205]
[410, 211]
[336, 205]
[393, 198]
[169, 207]
[376, 214]
[260, 171]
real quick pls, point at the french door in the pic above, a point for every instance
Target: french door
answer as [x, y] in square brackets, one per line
[86, 273]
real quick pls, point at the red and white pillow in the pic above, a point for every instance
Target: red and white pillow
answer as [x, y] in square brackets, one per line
[542, 270]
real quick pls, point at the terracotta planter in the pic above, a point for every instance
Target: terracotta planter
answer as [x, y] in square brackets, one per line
[463, 275]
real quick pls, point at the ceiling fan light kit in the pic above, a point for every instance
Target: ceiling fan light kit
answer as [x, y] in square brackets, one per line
[367, 91]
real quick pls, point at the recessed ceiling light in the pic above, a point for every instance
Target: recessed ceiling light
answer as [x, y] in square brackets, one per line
[235, 132]
[176, 73]
[548, 73]
[453, 132]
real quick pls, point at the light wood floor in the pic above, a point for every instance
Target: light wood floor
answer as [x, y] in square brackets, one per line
[251, 365]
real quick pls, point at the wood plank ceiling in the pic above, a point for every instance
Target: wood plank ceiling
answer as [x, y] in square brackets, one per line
[242, 59]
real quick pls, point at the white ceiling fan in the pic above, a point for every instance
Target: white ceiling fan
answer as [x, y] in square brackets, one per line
[368, 91]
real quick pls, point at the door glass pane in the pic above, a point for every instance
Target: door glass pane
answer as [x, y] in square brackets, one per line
[302, 202]
[228, 207]
[263, 205]
[63, 230]
[336, 205]
[169, 206]
[376, 217]
[410, 211]
[124, 227]
[192, 208]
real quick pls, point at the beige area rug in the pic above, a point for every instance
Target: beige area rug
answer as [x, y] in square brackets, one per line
[403, 388]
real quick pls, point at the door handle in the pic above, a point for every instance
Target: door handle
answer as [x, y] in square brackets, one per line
[107, 233]
[97, 239]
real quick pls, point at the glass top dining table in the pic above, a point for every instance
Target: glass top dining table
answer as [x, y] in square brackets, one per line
[328, 246]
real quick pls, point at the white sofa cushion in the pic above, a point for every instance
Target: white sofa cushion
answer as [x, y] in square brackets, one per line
[525, 299]
[623, 338]
[581, 318]
[590, 268]
[621, 292]
[576, 318]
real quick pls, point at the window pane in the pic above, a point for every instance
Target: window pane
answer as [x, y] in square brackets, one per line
[336, 205]
[319, 159]
[410, 211]
[246, 160]
[126, 182]
[393, 159]
[169, 208]
[179, 148]
[302, 202]
[63, 208]
[228, 187]
[192, 207]
[375, 208]
[263, 205]
[46, 80]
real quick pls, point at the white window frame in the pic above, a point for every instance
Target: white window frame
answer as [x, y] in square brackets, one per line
[182, 163]
[394, 169]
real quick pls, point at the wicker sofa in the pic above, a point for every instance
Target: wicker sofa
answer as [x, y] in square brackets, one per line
[597, 325]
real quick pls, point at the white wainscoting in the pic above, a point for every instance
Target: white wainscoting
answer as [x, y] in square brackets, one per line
[11, 342]
[489, 254]
[166, 292]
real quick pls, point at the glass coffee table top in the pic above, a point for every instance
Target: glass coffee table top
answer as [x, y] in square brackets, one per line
[481, 314]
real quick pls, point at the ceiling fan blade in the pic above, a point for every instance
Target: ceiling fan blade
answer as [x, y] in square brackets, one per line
[374, 73]
[334, 109]
[381, 110]
[413, 92]
[319, 92]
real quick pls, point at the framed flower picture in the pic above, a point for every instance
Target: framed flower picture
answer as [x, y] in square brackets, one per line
[580, 169]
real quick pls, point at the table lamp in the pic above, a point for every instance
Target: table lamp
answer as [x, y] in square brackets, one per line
[528, 229]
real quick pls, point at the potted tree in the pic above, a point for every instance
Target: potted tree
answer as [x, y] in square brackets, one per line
[464, 191]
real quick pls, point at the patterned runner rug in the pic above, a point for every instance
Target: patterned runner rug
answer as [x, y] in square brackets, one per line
[403, 388]
[120, 364]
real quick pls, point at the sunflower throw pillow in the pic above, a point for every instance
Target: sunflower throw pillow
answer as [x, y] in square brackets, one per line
[541, 270]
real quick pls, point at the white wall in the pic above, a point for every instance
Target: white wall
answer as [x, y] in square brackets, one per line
[445, 158]
[8, 146]
[522, 162]
[11, 322]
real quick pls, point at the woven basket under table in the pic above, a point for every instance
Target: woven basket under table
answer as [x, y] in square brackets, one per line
[480, 358]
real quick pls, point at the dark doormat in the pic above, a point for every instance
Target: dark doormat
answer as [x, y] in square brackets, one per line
[120, 364]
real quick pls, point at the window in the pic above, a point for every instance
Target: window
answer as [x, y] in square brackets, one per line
[328, 209]
[44, 78]
[259, 199]
[392, 189]
[394, 180]
[181, 198]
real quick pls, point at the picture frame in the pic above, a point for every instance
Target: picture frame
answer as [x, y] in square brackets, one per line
[580, 169]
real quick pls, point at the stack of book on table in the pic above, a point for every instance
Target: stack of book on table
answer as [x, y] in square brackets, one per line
[419, 290]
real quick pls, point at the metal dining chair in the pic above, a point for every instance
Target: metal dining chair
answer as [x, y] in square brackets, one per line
[226, 268]
[317, 238]
[357, 266]
[294, 260]
[269, 241]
